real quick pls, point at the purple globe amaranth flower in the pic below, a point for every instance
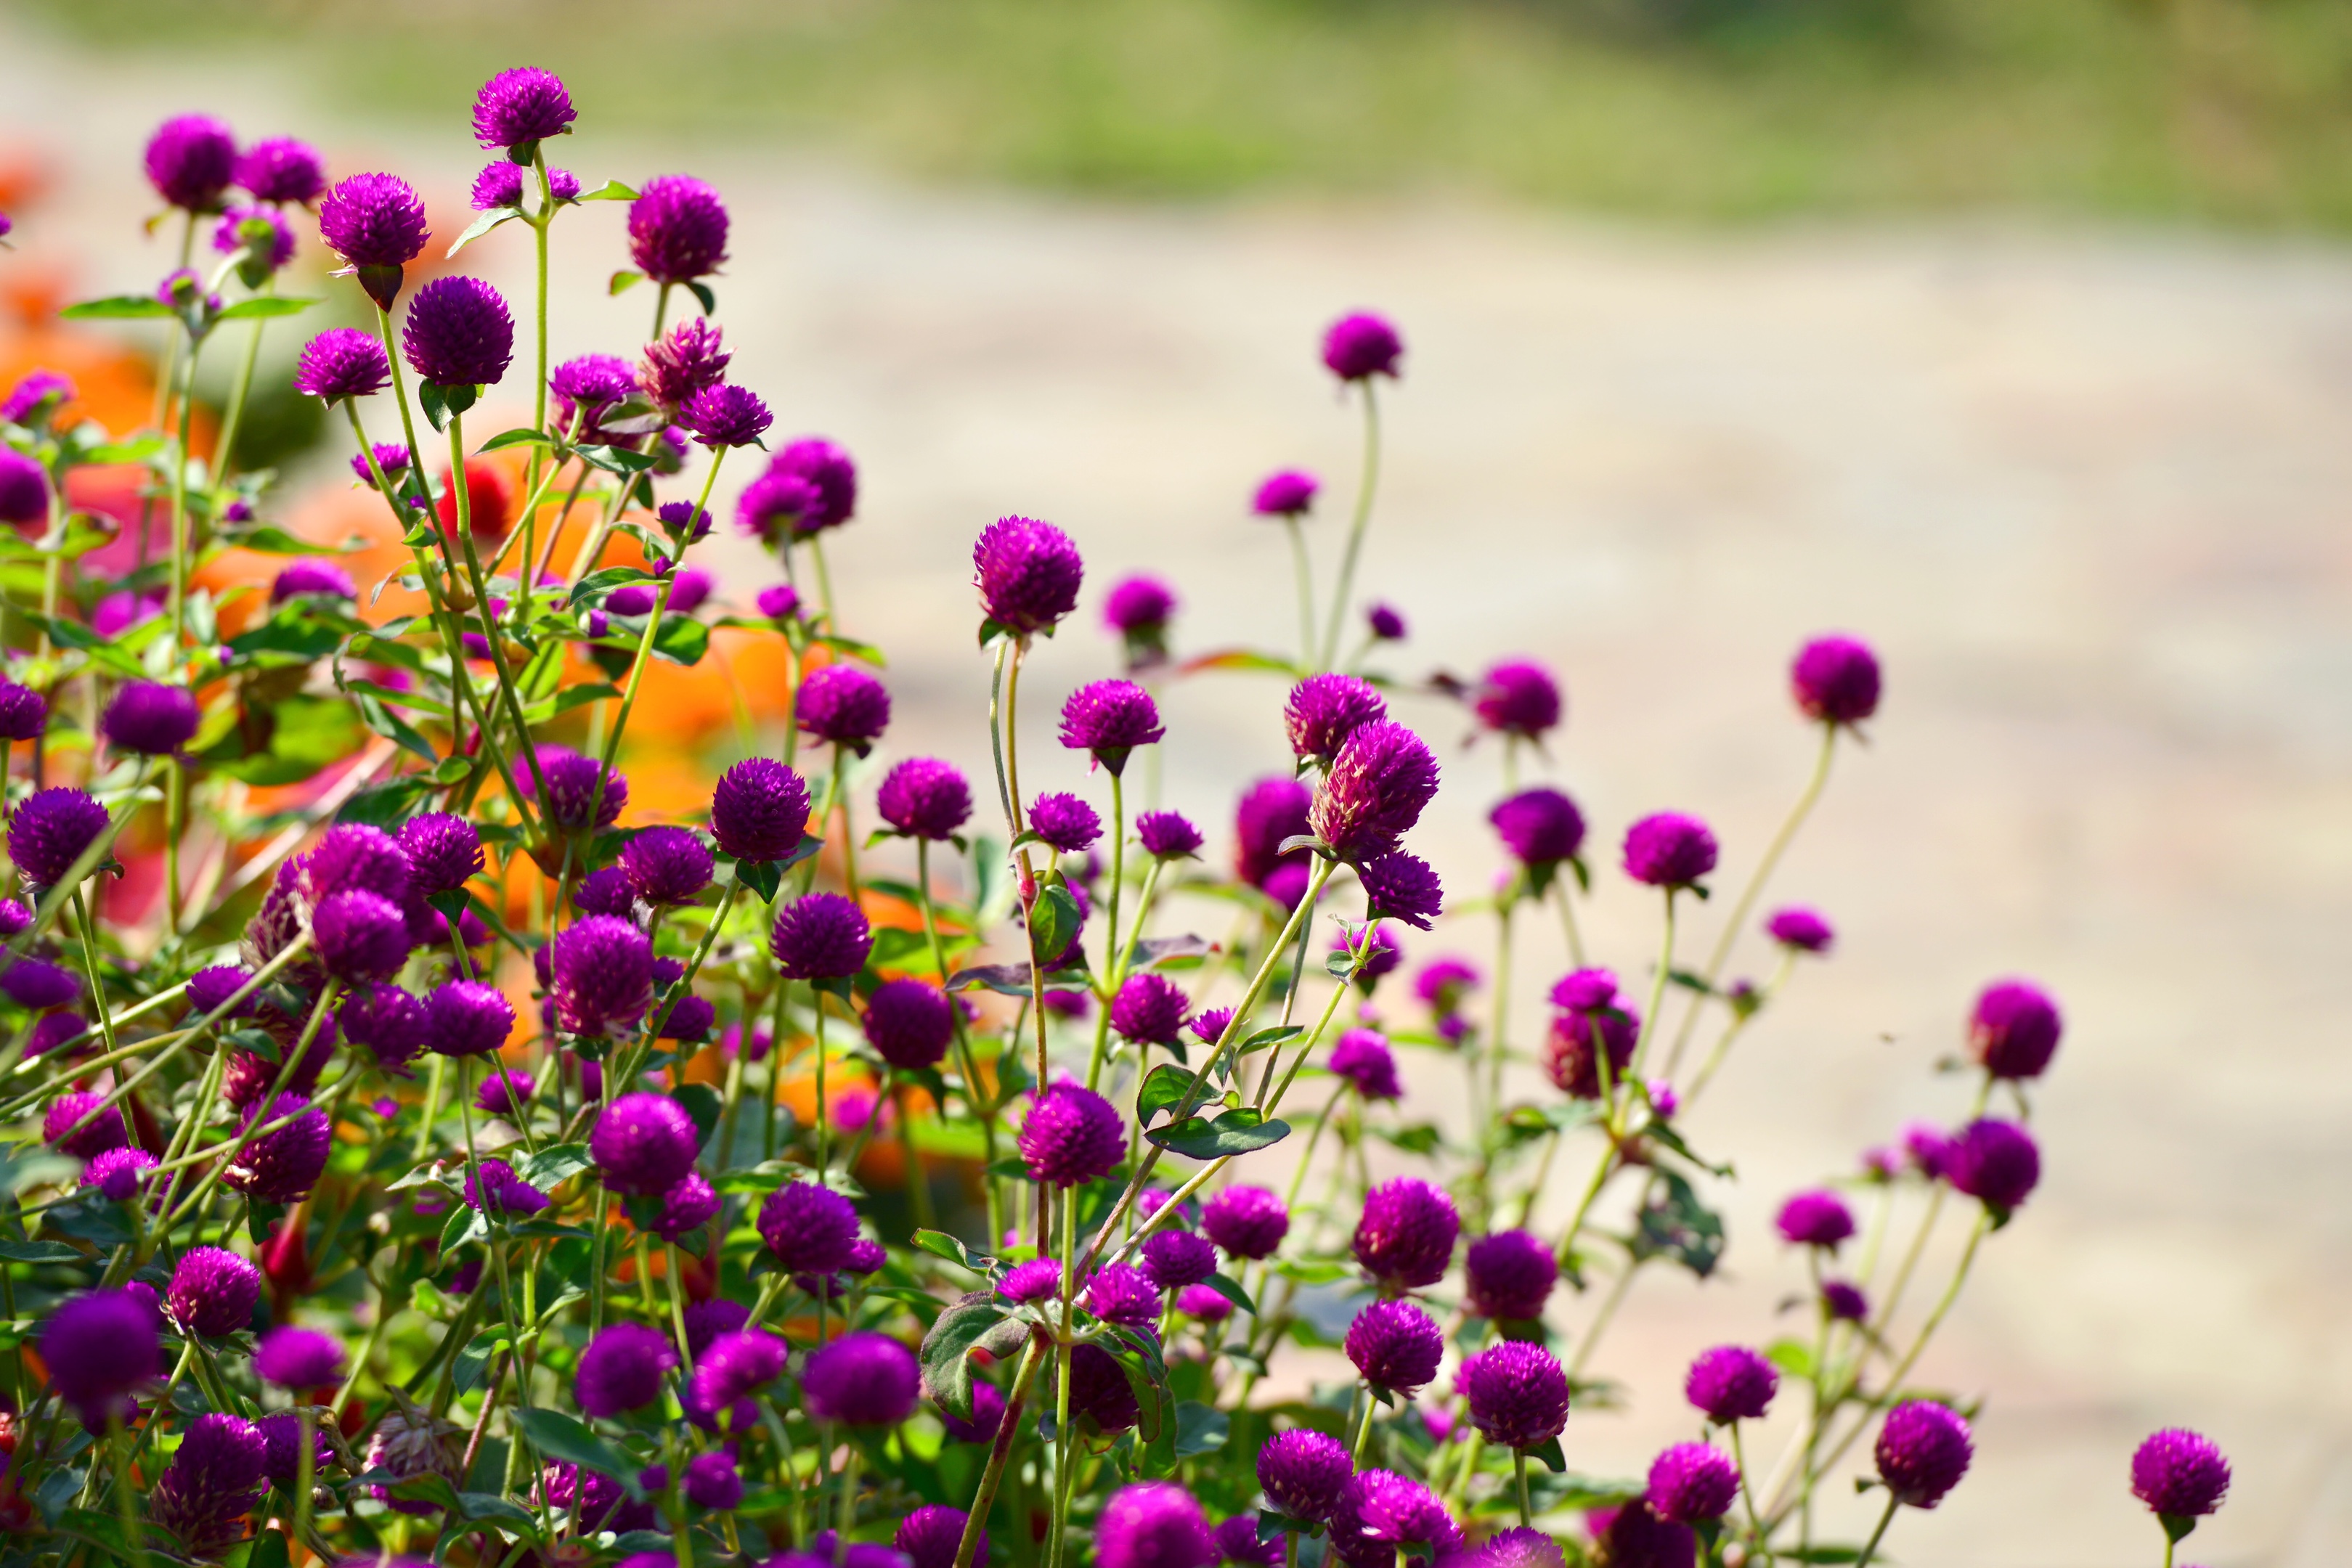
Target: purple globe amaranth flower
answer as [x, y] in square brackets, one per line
[930, 1535]
[1669, 850]
[1568, 1057]
[1816, 1220]
[622, 1370]
[298, 1358]
[1406, 1237]
[313, 576]
[1442, 983]
[1064, 821]
[843, 705]
[678, 229]
[362, 936]
[1843, 1302]
[1109, 719]
[688, 1205]
[780, 601]
[375, 223]
[1923, 1452]
[1154, 1524]
[1071, 1136]
[759, 810]
[909, 1023]
[118, 1173]
[284, 1165]
[1517, 698]
[1138, 607]
[1929, 1148]
[191, 159]
[467, 1018]
[1360, 345]
[1994, 1162]
[666, 865]
[1836, 680]
[602, 971]
[1324, 710]
[34, 391]
[390, 455]
[925, 797]
[862, 1380]
[605, 891]
[1303, 1472]
[1032, 1281]
[2179, 1474]
[444, 852]
[683, 362]
[517, 108]
[2014, 1030]
[808, 1228]
[501, 184]
[24, 488]
[1150, 1009]
[341, 362]
[690, 586]
[1271, 812]
[1380, 1511]
[820, 936]
[385, 1019]
[1122, 1293]
[355, 857]
[1385, 624]
[587, 387]
[644, 1145]
[1364, 1060]
[75, 1125]
[1100, 1391]
[213, 1291]
[1540, 827]
[1518, 1393]
[1801, 931]
[1204, 1303]
[280, 169]
[1509, 1275]
[601, 1504]
[1246, 1221]
[407, 1442]
[711, 1481]
[459, 333]
[1166, 835]
[1290, 493]
[1395, 1345]
[1731, 1383]
[230, 236]
[1028, 574]
[726, 415]
[1691, 1482]
[1400, 886]
[148, 717]
[24, 712]
[1374, 791]
[1635, 1537]
[812, 483]
[987, 1415]
[1519, 1547]
[36, 985]
[706, 1320]
[1237, 1542]
[506, 1093]
[1176, 1258]
[100, 1347]
[1210, 1027]
[214, 1480]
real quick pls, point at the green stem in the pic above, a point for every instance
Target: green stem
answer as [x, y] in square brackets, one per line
[224, 446]
[1356, 529]
[975, 1528]
[1364, 1427]
[1519, 1466]
[1110, 941]
[1870, 1548]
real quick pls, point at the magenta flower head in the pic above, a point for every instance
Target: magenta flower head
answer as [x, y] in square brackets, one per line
[1518, 1393]
[711, 1481]
[726, 415]
[843, 705]
[925, 797]
[1517, 698]
[150, 718]
[1405, 1237]
[1175, 1258]
[1509, 1274]
[24, 488]
[987, 1415]
[1374, 791]
[1836, 680]
[24, 712]
[2014, 1030]
[678, 229]
[1364, 1060]
[1288, 494]
[1303, 1471]
[284, 1165]
[809, 1230]
[1540, 827]
[1568, 1056]
[1139, 609]
[1156, 1524]
[1028, 574]
[37, 395]
[780, 601]
[1072, 1136]
[644, 1143]
[362, 936]
[506, 1093]
[36, 985]
[1166, 835]
[1362, 345]
[1923, 1452]
[1272, 811]
[1325, 710]
[1396, 1345]
[1444, 983]
[1150, 1009]
[74, 1124]
[220, 1471]
[1385, 623]
[1692, 1482]
[1237, 1542]
[232, 238]
[1520, 1547]
[686, 360]
[118, 1172]
[1816, 1220]
[1109, 719]
[909, 1023]
[352, 856]
[467, 1018]
[297, 1358]
[1122, 1293]
[312, 576]
[1731, 1383]
[458, 333]
[666, 865]
[1669, 850]
[1844, 1302]
[191, 159]
[519, 107]
[601, 974]
[2179, 1474]
[1032, 1281]
[1246, 1221]
[733, 1367]
[444, 852]
[1380, 1510]
[280, 169]
[1994, 1162]
[862, 1380]
[585, 388]
[687, 1205]
[622, 1370]
[820, 936]
[385, 1019]
[376, 224]
[928, 1537]
[1635, 1537]
[760, 809]
[1801, 931]
[100, 1348]
[341, 362]
[1399, 886]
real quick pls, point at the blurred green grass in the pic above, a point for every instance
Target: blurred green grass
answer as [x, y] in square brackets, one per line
[2230, 111]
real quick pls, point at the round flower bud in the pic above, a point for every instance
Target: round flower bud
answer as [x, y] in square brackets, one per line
[1843, 1302]
[467, 1018]
[297, 1358]
[1237, 1542]
[519, 107]
[219, 1472]
[1994, 1162]
[504, 1094]
[118, 1172]
[1064, 821]
[1122, 1293]
[686, 360]
[678, 229]
[1072, 1136]
[33, 984]
[1175, 1258]
[759, 810]
[2014, 1030]
[925, 797]
[100, 1347]
[1923, 1452]
[444, 852]
[282, 169]
[843, 705]
[622, 1370]
[375, 222]
[1359, 347]
[1166, 835]
[213, 1291]
[385, 1019]
[1149, 1009]
[1518, 697]
[930, 1535]
[1568, 1058]
[1324, 710]
[191, 159]
[711, 1481]
[1272, 811]
[1303, 1472]
[862, 1380]
[1399, 886]
[1374, 791]
[24, 712]
[284, 1165]
[1540, 827]
[1385, 623]
[1288, 494]
[1836, 680]
[909, 1023]
[1816, 1220]
[820, 936]
[1380, 1510]
[1406, 1237]
[1246, 1221]
[341, 362]
[1669, 850]
[1799, 931]
[1109, 719]
[150, 718]
[24, 488]
[987, 1415]
[458, 333]
[1518, 1393]
[2179, 1474]
[1511, 1275]
[1034, 1281]
[809, 1230]
[50, 831]
[725, 415]
[1138, 604]
[666, 865]
[602, 974]
[1731, 1383]
[360, 937]
[1155, 1524]
[1028, 574]
[1363, 1059]
[644, 1143]
[1691, 1482]
[322, 578]
[1395, 1345]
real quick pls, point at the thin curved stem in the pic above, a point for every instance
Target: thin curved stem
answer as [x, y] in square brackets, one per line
[1364, 490]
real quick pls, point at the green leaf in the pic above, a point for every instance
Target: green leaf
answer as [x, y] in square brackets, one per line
[560, 1437]
[1679, 1226]
[556, 1163]
[1146, 1376]
[1167, 1086]
[268, 538]
[701, 292]
[940, 1244]
[429, 1485]
[480, 1505]
[682, 640]
[615, 460]
[116, 307]
[947, 1372]
[1232, 1290]
[763, 877]
[480, 227]
[1424, 1139]
[521, 436]
[1237, 1132]
[1201, 1430]
[1553, 1459]
[465, 1224]
[1052, 921]
[1240, 659]
[1791, 1356]
[437, 411]
[265, 307]
[610, 191]
[701, 1102]
[622, 280]
[41, 1252]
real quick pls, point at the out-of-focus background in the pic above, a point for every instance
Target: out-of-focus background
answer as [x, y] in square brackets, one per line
[2014, 335]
